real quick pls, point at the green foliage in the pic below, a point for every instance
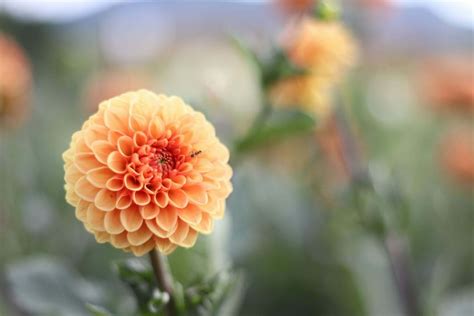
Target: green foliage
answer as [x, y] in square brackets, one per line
[277, 125]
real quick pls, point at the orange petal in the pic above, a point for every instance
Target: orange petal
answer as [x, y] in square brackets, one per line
[139, 139]
[131, 218]
[102, 237]
[113, 137]
[86, 161]
[71, 196]
[161, 199]
[85, 190]
[157, 230]
[95, 218]
[165, 246]
[138, 122]
[140, 236]
[105, 200]
[115, 183]
[167, 218]
[120, 241]
[116, 162]
[81, 210]
[181, 232]
[190, 239]
[112, 223]
[99, 176]
[206, 224]
[149, 211]
[102, 149]
[185, 167]
[116, 119]
[196, 194]
[123, 201]
[178, 181]
[132, 183]
[144, 248]
[156, 128]
[72, 174]
[93, 133]
[141, 198]
[191, 214]
[178, 198]
[125, 146]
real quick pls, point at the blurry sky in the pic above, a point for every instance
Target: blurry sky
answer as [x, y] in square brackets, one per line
[459, 12]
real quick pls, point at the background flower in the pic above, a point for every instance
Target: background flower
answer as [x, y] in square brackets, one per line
[15, 78]
[447, 84]
[326, 50]
[457, 154]
[147, 171]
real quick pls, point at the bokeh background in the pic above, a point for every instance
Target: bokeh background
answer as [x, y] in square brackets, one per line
[291, 226]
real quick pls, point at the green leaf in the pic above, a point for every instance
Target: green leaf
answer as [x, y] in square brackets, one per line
[327, 10]
[280, 124]
[278, 68]
[246, 52]
[139, 278]
[97, 310]
[216, 296]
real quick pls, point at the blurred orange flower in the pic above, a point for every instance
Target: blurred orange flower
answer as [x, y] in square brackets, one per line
[383, 5]
[147, 171]
[311, 93]
[448, 84]
[109, 83]
[457, 154]
[326, 49]
[295, 6]
[15, 81]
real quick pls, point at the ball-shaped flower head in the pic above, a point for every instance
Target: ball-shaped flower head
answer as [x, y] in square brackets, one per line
[15, 79]
[147, 171]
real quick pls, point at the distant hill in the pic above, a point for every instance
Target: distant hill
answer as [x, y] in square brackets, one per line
[407, 32]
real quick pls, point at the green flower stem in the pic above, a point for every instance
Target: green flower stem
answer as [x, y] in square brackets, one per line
[164, 279]
[396, 250]
[400, 265]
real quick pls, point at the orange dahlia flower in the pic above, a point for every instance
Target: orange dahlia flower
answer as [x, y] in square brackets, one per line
[326, 49]
[147, 171]
[15, 78]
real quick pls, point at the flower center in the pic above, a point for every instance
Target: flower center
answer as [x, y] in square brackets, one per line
[162, 161]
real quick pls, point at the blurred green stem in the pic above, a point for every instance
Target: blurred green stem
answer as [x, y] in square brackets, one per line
[396, 250]
[164, 279]
[399, 261]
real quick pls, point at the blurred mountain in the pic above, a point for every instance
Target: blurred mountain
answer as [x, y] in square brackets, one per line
[157, 26]
[413, 32]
